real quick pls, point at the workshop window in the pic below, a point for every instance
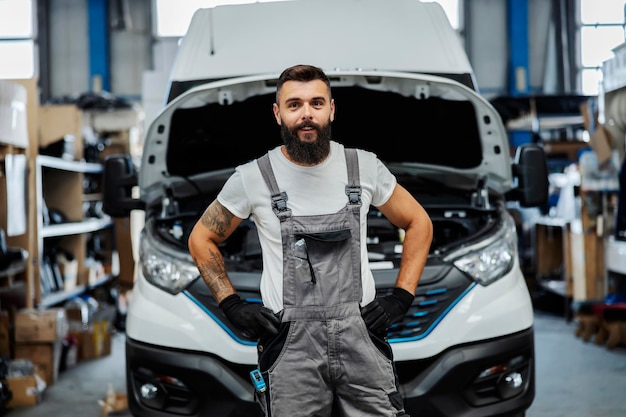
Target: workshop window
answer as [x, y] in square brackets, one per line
[602, 26]
[17, 46]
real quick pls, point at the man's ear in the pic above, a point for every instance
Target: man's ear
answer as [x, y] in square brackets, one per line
[332, 110]
[276, 113]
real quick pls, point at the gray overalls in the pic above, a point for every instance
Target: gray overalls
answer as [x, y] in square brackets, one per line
[324, 360]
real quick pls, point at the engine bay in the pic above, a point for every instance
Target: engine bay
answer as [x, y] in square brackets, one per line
[458, 216]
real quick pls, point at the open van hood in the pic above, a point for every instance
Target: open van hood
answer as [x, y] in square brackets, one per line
[422, 123]
[260, 38]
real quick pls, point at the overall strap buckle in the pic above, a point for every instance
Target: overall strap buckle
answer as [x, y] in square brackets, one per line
[353, 189]
[354, 194]
[279, 202]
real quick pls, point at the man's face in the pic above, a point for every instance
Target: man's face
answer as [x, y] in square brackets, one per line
[304, 113]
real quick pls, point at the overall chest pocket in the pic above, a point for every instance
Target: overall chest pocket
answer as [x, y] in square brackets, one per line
[324, 265]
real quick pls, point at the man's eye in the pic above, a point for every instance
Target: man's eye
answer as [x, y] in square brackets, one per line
[292, 105]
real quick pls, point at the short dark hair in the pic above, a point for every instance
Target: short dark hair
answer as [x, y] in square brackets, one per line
[303, 73]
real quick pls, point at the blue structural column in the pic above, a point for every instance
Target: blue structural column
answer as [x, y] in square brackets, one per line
[518, 46]
[99, 53]
[517, 24]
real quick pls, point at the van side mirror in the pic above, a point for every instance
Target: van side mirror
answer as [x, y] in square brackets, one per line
[119, 178]
[530, 167]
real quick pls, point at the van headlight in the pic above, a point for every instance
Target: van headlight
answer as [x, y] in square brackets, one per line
[162, 268]
[491, 259]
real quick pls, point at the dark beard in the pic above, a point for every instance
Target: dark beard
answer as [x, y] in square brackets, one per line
[308, 153]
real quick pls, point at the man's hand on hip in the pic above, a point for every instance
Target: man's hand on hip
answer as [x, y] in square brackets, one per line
[383, 312]
[251, 318]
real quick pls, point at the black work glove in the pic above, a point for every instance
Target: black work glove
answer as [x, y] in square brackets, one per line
[250, 318]
[383, 312]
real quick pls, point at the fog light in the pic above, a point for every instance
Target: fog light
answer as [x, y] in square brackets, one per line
[509, 385]
[149, 391]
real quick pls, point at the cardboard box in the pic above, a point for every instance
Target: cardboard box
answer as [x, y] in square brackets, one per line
[13, 105]
[45, 356]
[26, 390]
[95, 341]
[40, 325]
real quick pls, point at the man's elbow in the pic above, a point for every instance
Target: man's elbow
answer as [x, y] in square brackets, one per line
[423, 225]
[430, 231]
[194, 240]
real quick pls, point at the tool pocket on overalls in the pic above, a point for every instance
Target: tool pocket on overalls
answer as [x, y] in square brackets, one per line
[381, 344]
[271, 346]
[376, 342]
[322, 256]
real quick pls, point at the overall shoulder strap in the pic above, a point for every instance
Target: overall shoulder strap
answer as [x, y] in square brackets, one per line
[279, 199]
[353, 189]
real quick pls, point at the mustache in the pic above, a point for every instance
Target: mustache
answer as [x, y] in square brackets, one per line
[307, 123]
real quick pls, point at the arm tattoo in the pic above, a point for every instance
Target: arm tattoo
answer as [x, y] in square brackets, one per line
[215, 276]
[217, 218]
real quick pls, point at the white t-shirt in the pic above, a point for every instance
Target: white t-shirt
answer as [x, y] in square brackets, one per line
[310, 191]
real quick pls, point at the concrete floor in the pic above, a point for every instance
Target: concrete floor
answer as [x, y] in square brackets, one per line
[78, 389]
[574, 378]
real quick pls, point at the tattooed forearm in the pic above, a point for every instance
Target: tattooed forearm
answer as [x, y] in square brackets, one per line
[217, 218]
[214, 274]
[215, 225]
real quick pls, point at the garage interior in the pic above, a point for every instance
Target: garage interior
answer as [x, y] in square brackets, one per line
[96, 77]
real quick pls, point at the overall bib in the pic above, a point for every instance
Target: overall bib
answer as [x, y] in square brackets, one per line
[324, 360]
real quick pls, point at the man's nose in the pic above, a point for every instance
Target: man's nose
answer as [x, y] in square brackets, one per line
[307, 112]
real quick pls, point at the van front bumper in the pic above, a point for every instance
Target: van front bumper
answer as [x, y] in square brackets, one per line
[464, 381]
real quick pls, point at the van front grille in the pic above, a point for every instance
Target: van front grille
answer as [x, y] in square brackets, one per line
[432, 302]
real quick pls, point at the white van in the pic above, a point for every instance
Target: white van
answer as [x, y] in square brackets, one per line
[405, 90]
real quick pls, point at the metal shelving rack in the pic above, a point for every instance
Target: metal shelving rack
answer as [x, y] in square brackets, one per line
[59, 183]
